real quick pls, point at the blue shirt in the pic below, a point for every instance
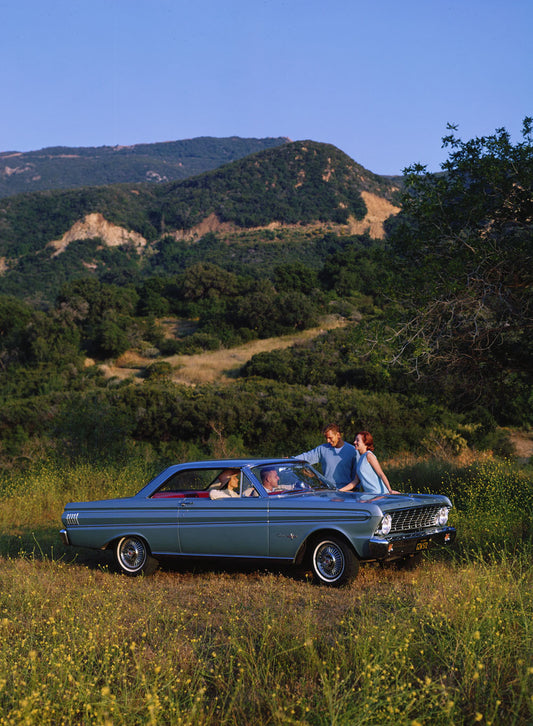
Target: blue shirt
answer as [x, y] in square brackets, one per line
[338, 465]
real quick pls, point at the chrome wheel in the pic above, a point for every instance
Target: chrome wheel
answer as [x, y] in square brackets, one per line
[133, 557]
[333, 562]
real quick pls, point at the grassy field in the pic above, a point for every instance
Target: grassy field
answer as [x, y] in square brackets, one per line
[450, 643]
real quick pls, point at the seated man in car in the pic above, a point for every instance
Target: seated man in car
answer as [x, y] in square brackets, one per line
[270, 480]
[225, 485]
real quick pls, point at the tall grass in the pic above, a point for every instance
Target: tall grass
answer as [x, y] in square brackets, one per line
[493, 500]
[442, 646]
[37, 497]
[448, 644]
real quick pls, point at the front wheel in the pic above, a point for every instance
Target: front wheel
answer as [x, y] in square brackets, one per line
[333, 562]
[133, 556]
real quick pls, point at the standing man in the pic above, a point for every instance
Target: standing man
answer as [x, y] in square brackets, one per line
[337, 458]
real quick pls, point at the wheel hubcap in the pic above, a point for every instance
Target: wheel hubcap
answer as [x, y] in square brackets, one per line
[133, 554]
[329, 561]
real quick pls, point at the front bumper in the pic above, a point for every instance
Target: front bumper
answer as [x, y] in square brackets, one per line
[401, 545]
[64, 536]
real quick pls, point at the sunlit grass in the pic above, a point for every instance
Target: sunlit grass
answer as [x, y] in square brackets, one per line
[450, 643]
[492, 498]
[439, 646]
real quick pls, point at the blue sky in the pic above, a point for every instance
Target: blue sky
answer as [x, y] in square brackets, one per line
[380, 80]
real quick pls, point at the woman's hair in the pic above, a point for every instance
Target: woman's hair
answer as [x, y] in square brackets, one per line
[368, 441]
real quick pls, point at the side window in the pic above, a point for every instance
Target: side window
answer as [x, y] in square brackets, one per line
[197, 480]
[248, 489]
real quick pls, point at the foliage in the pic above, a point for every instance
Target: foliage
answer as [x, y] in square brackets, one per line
[158, 371]
[294, 183]
[364, 266]
[104, 314]
[299, 182]
[65, 168]
[464, 242]
[341, 357]
[268, 418]
[447, 299]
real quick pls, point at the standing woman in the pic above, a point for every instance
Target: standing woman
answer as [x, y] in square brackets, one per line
[369, 473]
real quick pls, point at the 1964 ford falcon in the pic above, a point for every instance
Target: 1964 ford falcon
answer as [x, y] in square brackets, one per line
[266, 509]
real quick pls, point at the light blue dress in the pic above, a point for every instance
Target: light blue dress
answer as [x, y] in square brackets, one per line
[369, 480]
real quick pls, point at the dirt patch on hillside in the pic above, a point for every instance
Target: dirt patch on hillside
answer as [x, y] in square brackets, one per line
[523, 444]
[220, 366]
[378, 210]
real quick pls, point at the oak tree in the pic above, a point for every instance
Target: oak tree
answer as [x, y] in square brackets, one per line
[464, 244]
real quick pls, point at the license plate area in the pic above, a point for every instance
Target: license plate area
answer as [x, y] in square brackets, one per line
[422, 545]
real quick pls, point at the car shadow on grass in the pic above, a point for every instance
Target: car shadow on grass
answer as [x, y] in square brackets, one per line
[192, 566]
[45, 544]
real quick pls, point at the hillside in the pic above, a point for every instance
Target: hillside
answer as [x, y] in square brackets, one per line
[68, 167]
[219, 366]
[305, 188]
[115, 299]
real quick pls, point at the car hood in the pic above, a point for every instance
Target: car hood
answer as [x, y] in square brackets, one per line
[369, 502]
[390, 502]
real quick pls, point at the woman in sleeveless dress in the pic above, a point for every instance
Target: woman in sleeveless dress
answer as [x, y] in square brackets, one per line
[369, 476]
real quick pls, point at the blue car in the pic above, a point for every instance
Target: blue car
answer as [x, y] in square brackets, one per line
[259, 509]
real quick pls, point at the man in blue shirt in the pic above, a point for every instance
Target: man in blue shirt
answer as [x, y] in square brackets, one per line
[337, 458]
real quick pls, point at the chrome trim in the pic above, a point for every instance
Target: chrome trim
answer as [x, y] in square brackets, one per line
[64, 536]
[415, 518]
[203, 555]
[391, 547]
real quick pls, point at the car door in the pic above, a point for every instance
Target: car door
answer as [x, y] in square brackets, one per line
[231, 527]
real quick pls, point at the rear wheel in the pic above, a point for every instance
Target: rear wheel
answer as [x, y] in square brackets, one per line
[333, 561]
[133, 556]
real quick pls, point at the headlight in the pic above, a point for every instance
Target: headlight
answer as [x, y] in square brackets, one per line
[442, 516]
[385, 525]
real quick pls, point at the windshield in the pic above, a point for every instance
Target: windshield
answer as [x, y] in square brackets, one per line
[290, 477]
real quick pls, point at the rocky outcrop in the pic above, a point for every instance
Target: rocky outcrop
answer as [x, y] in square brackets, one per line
[95, 226]
[378, 210]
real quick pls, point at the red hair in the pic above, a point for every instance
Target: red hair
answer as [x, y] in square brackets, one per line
[368, 441]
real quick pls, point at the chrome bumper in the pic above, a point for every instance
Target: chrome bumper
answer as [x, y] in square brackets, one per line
[64, 536]
[390, 548]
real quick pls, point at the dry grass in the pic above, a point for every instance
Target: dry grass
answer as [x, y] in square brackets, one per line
[214, 366]
[446, 645]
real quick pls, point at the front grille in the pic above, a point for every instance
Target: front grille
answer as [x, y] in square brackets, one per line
[414, 519]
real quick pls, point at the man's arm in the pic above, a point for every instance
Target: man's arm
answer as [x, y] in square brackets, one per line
[312, 457]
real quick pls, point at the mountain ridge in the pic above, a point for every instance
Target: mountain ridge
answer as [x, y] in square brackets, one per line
[63, 167]
[306, 188]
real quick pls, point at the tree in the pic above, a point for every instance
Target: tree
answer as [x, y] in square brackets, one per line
[104, 314]
[15, 316]
[464, 243]
[206, 280]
